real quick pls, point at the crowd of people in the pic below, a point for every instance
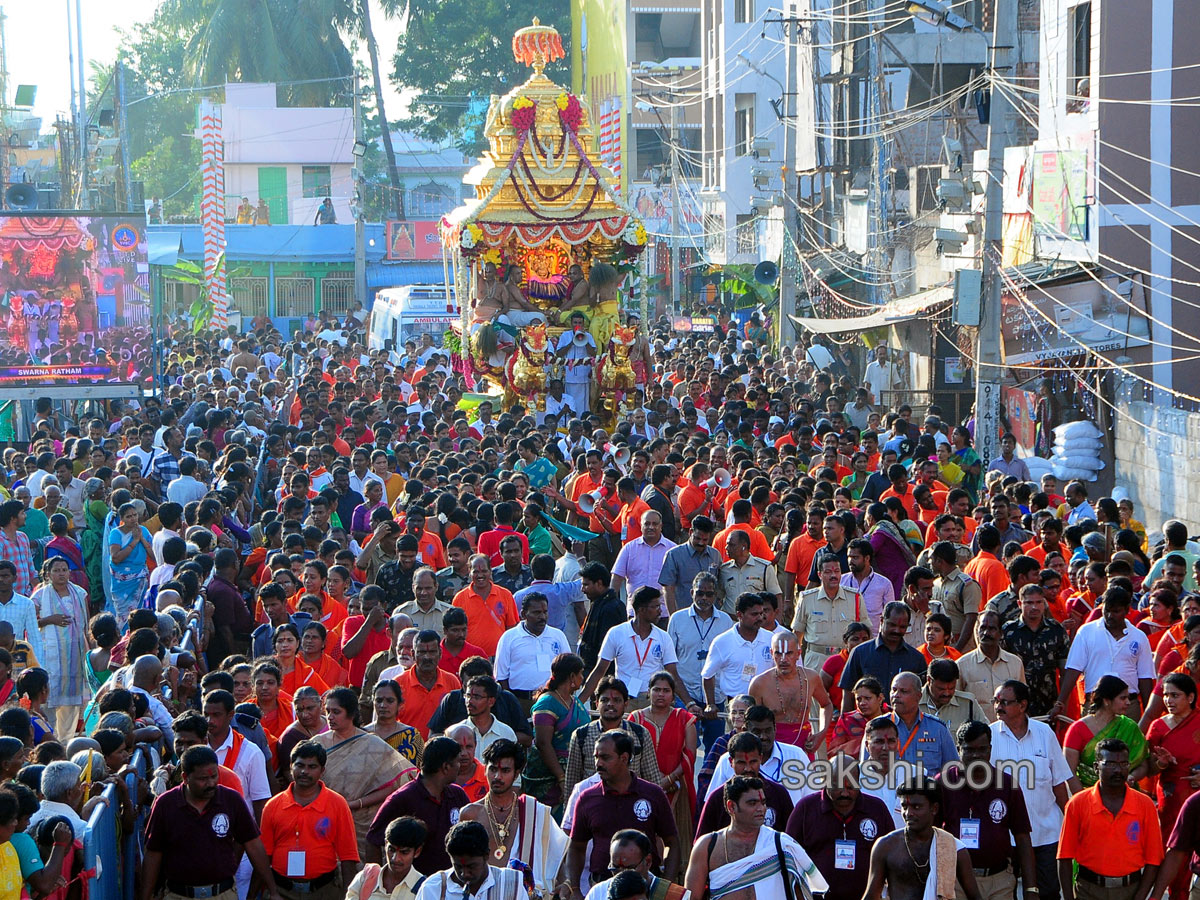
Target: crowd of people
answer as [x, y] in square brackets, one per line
[768, 635]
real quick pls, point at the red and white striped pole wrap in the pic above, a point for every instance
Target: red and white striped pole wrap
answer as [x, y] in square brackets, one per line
[212, 209]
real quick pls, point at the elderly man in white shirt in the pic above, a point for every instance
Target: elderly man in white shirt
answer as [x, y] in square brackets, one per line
[1028, 750]
[62, 794]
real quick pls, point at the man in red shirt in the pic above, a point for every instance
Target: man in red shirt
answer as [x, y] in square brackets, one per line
[801, 552]
[489, 541]
[365, 635]
[455, 647]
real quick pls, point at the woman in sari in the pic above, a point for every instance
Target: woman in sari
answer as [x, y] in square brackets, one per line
[8, 687]
[893, 553]
[295, 671]
[831, 669]
[968, 460]
[360, 766]
[404, 739]
[1106, 719]
[538, 469]
[276, 704]
[129, 548]
[62, 545]
[91, 542]
[846, 734]
[673, 731]
[62, 617]
[105, 635]
[306, 706]
[1174, 742]
[556, 714]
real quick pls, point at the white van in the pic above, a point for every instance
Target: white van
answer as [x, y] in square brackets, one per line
[402, 313]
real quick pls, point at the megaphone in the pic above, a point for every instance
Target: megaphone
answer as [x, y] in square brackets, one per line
[620, 454]
[766, 272]
[579, 339]
[21, 196]
[720, 480]
[587, 502]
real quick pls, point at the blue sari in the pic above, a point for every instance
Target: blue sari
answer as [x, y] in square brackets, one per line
[130, 578]
[539, 472]
[538, 780]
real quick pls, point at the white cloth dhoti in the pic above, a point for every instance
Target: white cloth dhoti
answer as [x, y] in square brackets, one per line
[761, 869]
[519, 318]
[580, 394]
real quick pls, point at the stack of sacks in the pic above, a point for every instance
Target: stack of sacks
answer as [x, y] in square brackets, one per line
[1077, 447]
[1038, 467]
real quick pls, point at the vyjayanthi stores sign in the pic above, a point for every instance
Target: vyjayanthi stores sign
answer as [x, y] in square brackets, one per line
[1088, 313]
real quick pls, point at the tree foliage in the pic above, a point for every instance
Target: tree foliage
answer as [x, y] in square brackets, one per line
[455, 51]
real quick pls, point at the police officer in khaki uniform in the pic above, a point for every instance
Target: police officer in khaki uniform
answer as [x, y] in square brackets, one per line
[823, 613]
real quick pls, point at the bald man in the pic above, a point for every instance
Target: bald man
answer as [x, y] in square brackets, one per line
[788, 690]
[471, 776]
[147, 680]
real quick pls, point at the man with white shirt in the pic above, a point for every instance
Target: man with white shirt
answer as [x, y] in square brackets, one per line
[1108, 646]
[1016, 740]
[737, 655]
[184, 489]
[42, 474]
[525, 652]
[71, 487]
[146, 677]
[639, 648]
[784, 764]
[236, 752]
[574, 442]
[480, 694]
[881, 377]
[170, 516]
[558, 404]
[1077, 499]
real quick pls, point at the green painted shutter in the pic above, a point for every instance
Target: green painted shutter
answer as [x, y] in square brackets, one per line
[272, 186]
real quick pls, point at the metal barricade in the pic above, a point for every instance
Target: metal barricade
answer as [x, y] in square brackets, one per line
[100, 851]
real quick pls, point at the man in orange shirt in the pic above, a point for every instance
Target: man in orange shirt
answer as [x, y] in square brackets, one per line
[1050, 534]
[308, 832]
[628, 522]
[801, 553]
[430, 551]
[1112, 831]
[425, 684]
[742, 511]
[986, 567]
[490, 609]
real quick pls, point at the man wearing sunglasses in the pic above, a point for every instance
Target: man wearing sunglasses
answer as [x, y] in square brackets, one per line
[693, 629]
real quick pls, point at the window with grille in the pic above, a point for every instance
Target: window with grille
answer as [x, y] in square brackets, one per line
[316, 181]
[429, 201]
[1081, 57]
[743, 11]
[743, 123]
[747, 234]
[248, 296]
[295, 297]
[337, 293]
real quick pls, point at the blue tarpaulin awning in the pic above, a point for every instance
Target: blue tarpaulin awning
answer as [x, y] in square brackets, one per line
[385, 275]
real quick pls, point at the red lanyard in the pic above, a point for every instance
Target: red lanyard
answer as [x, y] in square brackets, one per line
[912, 734]
[641, 659]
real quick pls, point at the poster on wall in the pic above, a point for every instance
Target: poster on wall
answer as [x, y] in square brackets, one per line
[74, 298]
[1021, 408]
[409, 240]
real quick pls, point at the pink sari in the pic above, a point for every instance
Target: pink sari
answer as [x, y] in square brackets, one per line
[1183, 742]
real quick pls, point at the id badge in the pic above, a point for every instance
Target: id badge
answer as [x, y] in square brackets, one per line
[843, 855]
[749, 670]
[295, 864]
[968, 833]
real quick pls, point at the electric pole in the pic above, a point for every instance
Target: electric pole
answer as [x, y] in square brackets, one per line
[987, 353]
[676, 268]
[791, 198]
[360, 227]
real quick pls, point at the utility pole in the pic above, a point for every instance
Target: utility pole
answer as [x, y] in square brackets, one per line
[987, 353]
[84, 199]
[360, 227]
[123, 126]
[791, 193]
[676, 268]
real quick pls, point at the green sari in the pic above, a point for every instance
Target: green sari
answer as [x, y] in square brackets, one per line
[91, 542]
[1123, 728]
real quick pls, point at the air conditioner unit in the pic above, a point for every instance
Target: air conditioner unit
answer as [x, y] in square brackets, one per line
[763, 148]
[760, 176]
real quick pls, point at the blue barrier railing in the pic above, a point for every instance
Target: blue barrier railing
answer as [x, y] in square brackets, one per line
[116, 857]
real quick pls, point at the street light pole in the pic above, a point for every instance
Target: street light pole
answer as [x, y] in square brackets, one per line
[360, 228]
[676, 269]
[987, 354]
[788, 257]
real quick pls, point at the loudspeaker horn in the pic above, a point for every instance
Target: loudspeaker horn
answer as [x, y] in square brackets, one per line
[721, 479]
[587, 502]
[579, 339]
[21, 196]
[766, 272]
[620, 455]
